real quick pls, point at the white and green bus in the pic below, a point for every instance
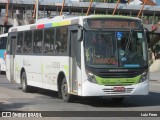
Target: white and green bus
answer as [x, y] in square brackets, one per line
[64, 55]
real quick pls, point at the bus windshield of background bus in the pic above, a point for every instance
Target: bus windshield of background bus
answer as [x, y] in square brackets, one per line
[115, 49]
[3, 42]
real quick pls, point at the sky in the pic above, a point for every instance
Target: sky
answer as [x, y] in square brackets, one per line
[157, 1]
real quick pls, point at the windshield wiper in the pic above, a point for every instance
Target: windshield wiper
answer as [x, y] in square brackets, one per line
[129, 39]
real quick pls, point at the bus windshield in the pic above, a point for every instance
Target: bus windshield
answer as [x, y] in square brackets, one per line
[115, 49]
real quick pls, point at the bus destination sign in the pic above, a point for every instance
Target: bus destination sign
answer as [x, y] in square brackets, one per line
[109, 23]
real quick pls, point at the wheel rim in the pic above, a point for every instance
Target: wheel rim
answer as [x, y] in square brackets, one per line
[23, 82]
[65, 89]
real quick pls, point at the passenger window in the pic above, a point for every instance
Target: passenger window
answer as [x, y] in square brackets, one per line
[8, 46]
[28, 42]
[3, 42]
[49, 41]
[37, 41]
[61, 40]
[19, 48]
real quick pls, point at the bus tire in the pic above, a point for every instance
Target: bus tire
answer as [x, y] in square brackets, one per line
[25, 87]
[118, 100]
[64, 91]
[0, 69]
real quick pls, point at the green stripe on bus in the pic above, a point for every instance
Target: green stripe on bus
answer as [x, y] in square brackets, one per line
[118, 81]
[66, 69]
[63, 23]
[55, 24]
[17, 68]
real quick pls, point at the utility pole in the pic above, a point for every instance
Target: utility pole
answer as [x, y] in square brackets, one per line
[37, 8]
[116, 7]
[141, 9]
[62, 8]
[89, 7]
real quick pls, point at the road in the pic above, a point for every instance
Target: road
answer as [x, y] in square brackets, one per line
[13, 99]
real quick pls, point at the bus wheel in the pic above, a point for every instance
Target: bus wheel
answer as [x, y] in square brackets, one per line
[24, 83]
[118, 100]
[64, 90]
[0, 69]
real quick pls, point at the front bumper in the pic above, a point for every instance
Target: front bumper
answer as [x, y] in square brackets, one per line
[91, 89]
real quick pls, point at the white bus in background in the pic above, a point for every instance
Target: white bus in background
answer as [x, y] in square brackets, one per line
[61, 55]
[3, 42]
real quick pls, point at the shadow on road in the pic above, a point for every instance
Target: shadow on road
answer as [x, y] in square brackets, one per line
[2, 73]
[153, 99]
[44, 93]
[11, 106]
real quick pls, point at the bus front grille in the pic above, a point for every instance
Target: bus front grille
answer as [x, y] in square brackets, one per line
[118, 74]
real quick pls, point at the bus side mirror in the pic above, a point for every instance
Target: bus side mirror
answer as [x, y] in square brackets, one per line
[80, 34]
[147, 36]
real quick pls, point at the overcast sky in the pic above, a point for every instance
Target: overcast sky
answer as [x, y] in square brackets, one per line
[158, 1]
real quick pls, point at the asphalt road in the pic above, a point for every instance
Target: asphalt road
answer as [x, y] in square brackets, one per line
[13, 99]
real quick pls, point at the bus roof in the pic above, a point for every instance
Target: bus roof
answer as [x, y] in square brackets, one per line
[4, 35]
[62, 21]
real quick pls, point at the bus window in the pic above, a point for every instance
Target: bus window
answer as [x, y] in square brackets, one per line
[8, 47]
[19, 42]
[48, 41]
[3, 41]
[37, 41]
[61, 40]
[27, 48]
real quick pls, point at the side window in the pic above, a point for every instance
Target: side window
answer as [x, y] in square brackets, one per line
[49, 36]
[27, 48]
[61, 40]
[11, 43]
[1, 39]
[75, 48]
[8, 46]
[19, 48]
[3, 42]
[37, 41]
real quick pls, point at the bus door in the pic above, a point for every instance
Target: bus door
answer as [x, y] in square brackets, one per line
[13, 39]
[75, 61]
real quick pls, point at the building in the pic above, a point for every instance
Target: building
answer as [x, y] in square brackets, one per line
[22, 13]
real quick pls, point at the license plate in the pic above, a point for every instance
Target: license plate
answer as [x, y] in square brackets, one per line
[118, 89]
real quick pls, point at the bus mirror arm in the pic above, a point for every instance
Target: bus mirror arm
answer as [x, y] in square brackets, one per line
[147, 35]
[80, 34]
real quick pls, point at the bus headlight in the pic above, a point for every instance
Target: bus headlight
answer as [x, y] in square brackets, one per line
[144, 76]
[91, 78]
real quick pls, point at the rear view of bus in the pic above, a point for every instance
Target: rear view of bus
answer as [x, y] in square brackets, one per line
[3, 41]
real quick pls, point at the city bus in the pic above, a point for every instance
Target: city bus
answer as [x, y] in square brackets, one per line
[3, 42]
[61, 55]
